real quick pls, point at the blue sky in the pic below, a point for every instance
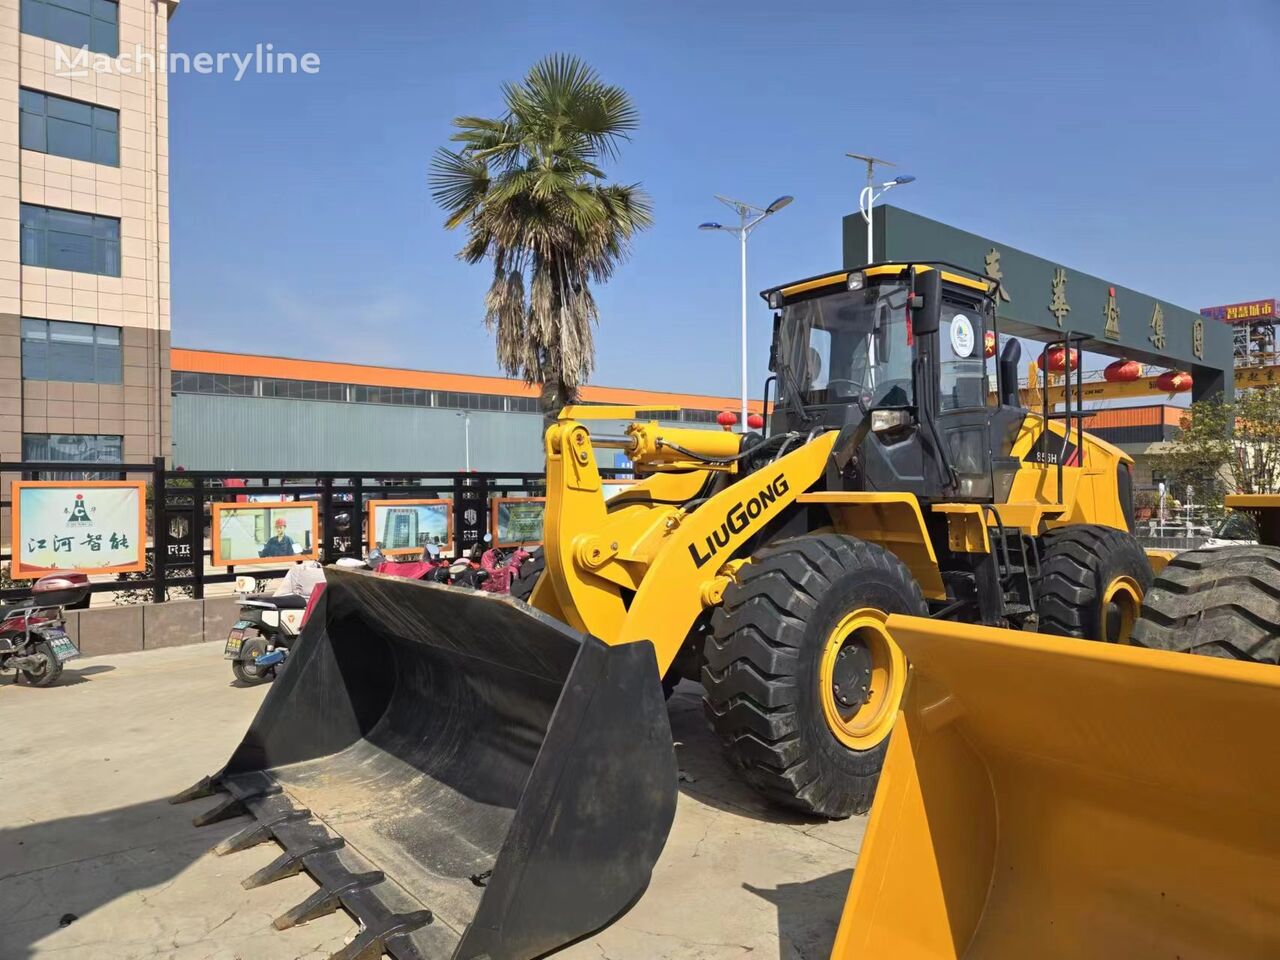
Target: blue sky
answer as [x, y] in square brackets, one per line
[1137, 140]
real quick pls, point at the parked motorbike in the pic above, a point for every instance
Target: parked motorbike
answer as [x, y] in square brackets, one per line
[503, 568]
[33, 634]
[269, 623]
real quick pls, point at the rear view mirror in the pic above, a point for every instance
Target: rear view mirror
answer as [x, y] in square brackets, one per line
[1007, 373]
[927, 315]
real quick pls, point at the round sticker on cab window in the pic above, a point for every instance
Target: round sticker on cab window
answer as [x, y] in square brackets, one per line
[961, 335]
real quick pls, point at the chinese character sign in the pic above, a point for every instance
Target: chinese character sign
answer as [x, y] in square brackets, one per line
[405, 527]
[1157, 328]
[994, 272]
[1112, 314]
[1058, 305]
[274, 532]
[518, 520]
[1243, 312]
[88, 526]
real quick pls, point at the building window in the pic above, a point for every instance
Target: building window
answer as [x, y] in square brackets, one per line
[73, 448]
[63, 240]
[78, 23]
[78, 352]
[69, 128]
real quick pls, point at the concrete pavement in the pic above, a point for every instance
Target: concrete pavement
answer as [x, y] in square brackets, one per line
[86, 832]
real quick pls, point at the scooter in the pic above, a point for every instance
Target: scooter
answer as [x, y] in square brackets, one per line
[33, 630]
[268, 623]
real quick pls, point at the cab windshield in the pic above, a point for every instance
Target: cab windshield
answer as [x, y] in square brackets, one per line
[847, 347]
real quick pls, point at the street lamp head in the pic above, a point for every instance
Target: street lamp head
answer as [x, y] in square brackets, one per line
[710, 226]
[778, 204]
[905, 178]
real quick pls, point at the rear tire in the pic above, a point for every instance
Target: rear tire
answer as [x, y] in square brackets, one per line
[775, 658]
[1217, 603]
[1092, 583]
[52, 670]
[246, 671]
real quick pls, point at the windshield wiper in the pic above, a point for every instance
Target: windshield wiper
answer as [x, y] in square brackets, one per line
[793, 394]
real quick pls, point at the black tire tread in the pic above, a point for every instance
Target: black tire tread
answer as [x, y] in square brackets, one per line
[1072, 559]
[754, 662]
[1217, 603]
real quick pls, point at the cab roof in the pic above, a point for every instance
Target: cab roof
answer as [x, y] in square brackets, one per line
[839, 278]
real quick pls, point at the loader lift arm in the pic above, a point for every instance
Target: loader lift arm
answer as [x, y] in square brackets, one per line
[645, 566]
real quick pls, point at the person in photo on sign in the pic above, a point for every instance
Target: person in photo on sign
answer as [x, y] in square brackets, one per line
[280, 545]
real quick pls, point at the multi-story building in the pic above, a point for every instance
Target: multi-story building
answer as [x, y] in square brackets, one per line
[84, 230]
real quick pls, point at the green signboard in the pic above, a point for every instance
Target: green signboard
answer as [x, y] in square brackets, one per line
[1041, 299]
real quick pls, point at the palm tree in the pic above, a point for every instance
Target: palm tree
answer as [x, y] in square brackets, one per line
[529, 188]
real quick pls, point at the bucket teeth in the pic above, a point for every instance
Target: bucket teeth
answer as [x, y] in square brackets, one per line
[325, 901]
[205, 787]
[390, 937]
[235, 806]
[290, 863]
[228, 808]
[257, 833]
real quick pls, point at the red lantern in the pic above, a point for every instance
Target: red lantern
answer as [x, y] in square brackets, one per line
[727, 419]
[755, 421]
[1122, 371]
[1053, 358]
[989, 344]
[1174, 381]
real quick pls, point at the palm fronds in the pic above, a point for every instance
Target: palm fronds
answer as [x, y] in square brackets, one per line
[530, 189]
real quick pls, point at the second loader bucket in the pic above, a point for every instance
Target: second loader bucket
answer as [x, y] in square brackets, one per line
[1057, 798]
[464, 775]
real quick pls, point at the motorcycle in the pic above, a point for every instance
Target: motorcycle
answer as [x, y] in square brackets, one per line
[269, 624]
[503, 568]
[33, 634]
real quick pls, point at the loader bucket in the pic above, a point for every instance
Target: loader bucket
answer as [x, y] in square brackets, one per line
[464, 775]
[1055, 798]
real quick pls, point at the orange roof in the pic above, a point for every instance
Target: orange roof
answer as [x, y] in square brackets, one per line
[1145, 416]
[285, 368]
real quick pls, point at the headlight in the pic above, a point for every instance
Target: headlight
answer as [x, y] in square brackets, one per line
[775, 300]
[885, 421]
[855, 281]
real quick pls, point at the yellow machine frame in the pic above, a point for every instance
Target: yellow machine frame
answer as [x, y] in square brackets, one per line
[647, 564]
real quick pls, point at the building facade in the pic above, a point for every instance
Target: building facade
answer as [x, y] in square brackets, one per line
[84, 230]
[237, 412]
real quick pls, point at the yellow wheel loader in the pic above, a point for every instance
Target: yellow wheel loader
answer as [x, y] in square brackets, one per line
[1055, 800]
[473, 776]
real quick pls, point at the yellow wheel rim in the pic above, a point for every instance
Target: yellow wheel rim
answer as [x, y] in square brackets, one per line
[1121, 605]
[861, 679]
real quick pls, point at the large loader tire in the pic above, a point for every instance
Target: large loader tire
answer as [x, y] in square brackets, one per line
[802, 681]
[1219, 603]
[1092, 583]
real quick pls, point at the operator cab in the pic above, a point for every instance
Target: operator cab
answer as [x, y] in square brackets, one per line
[894, 356]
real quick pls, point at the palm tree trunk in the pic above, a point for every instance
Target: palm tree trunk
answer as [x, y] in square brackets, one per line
[555, 396]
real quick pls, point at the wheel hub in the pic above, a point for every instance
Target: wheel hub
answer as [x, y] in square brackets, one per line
[861, 678]
[851, 675]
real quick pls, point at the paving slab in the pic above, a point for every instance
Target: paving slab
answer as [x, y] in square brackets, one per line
[95, 863]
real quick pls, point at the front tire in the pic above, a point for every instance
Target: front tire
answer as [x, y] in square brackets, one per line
[1218, 603]
[1093, 580]
[802, 681]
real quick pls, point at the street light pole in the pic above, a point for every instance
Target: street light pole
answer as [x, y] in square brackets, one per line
[466, 433]
[868, 197]
[749, 217]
